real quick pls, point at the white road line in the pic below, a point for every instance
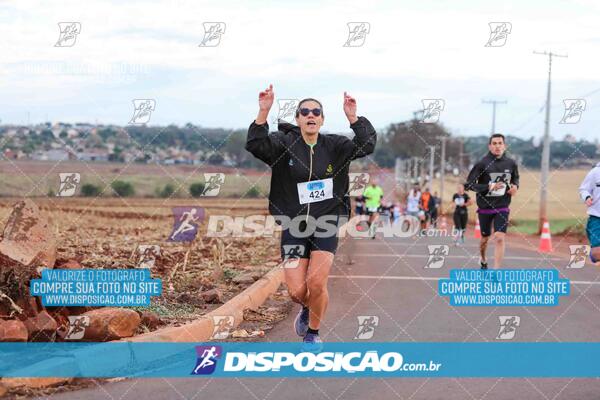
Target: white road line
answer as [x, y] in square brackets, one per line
[427, 278]
[476, 257]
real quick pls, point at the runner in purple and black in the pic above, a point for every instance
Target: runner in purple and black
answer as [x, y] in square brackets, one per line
[495, 179]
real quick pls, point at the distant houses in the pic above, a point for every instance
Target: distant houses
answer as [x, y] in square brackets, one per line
[93, 155]
[51, 155]
[95, 143]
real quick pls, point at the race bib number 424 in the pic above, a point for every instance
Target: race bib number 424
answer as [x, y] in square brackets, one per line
[315, 191]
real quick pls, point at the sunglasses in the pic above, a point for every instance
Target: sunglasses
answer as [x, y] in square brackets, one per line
[315, 111]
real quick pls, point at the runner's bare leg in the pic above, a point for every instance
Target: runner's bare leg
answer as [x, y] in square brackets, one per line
[316, 280]
[483, 247]
[295, 279]
[500, 243]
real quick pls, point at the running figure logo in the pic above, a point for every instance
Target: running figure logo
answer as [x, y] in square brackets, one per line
[212, 34]
[146, 255]
[68, 183]
[212, 183]
[432, 109]
[498, 33]
[77, 325]
[437, 254]
[292, 254]
[508, 326]
[579, 253]
[366, 326]
[357, 33]
[287, 110]
[573, 110]
[185, 227]
[142, 111]
[496, 177]
[207, 359]
[222, 325]
[358, 183]
[68, 34]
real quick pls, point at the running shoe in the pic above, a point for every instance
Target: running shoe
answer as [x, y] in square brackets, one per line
[312, 343]
[301, 321]
[483, 264]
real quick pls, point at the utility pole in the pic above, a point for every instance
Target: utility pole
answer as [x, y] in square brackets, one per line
[431, 157]
[461, 155]
[407, 181]
[398, 175]
[493, 103]
[442, 172]
[419, 169]
[546, 149]
[414, 171]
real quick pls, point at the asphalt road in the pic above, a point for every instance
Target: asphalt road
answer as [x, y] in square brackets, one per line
[388, 280]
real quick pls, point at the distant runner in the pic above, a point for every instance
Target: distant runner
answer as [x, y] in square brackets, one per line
[359, 210]
[412, 201]
[373, 194]
[426, 203]
[412, 205]
[461, 214]
[590, 194]
[495, 179]
[359, 205]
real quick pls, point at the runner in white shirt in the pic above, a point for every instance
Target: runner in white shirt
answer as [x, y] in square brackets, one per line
[589, 191]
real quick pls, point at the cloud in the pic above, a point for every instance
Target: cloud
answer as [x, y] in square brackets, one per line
[130, 50]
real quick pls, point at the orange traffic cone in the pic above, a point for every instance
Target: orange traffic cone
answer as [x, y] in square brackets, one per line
[545, 239]
[477, 229]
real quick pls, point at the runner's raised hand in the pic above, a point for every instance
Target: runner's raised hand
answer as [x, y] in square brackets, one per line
[350, 108]
[265, 101]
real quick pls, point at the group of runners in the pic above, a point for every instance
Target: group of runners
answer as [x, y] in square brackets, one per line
[370, 203]
[310, 179]
[424, 206]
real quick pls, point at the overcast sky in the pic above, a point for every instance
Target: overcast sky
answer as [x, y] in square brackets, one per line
[415, 50]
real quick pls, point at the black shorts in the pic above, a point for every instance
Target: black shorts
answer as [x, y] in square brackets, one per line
[500, 221]
[301, 247]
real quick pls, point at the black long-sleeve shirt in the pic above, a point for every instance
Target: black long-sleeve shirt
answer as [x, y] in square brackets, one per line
[488, 170]
[289, 157]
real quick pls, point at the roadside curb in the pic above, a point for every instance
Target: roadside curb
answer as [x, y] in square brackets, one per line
[202, 329]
